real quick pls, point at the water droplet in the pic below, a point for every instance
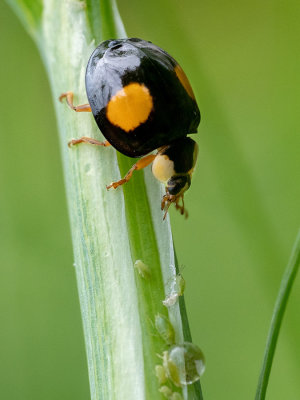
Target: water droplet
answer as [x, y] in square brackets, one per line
[184, 363]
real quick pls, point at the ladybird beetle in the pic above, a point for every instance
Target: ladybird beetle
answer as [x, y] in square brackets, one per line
[142, 101]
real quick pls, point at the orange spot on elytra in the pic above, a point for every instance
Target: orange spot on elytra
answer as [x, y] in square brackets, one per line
[130, 106]
[184, 81]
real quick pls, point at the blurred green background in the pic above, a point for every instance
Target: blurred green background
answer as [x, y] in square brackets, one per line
[243, 61]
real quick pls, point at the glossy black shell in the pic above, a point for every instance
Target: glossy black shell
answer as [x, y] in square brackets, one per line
[117, 63]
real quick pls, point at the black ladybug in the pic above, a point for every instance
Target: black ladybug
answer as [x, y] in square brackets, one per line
[142, 100]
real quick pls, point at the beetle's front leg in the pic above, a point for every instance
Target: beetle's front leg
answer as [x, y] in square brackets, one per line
[142, 163]
[69, 98]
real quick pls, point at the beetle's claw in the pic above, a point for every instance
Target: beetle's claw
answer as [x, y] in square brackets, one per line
[168, 199]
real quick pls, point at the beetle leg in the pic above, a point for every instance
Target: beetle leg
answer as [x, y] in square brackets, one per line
[166, 209]
[69, 98]
[182, 210]
[85, 139]
[142, 163]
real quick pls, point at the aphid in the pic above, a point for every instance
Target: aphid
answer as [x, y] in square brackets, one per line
[177, 291]
[160, 374]
[165, 329]
[142, 269]
[142, 101]
[166, 392]
[176, 396]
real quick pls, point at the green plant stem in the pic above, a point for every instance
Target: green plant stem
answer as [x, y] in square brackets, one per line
[110, 230]
[279, 309]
